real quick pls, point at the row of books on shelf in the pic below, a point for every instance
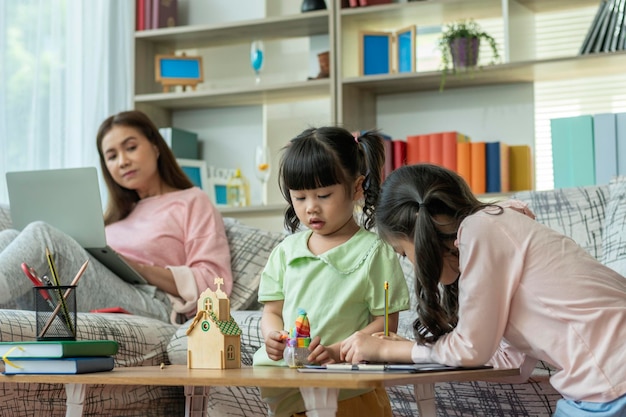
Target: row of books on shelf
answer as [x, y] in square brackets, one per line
[588, 149]
[488, 167]
[58, 356]
[154, 14]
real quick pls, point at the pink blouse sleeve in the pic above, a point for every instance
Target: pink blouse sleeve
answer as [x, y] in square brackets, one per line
[485, 291]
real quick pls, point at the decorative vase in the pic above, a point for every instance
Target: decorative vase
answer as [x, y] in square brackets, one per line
[310, 5]
[464, 52]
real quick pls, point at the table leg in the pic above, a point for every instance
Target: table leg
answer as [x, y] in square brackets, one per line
[75, 398]
[425, 397]
[196, 401]
[320, 402]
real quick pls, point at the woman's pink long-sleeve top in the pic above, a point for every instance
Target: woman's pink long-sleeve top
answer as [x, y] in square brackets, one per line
[528, 293]
[181, 231]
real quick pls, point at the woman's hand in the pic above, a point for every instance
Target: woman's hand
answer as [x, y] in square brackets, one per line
[275, 344]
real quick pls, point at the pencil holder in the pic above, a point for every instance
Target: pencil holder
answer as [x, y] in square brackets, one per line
[55, 312]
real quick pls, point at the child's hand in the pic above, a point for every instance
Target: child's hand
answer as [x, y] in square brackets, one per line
[275, 344]
[319, 353]
[392, 336]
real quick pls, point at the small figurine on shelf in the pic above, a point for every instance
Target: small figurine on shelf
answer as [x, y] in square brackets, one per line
[297, 349]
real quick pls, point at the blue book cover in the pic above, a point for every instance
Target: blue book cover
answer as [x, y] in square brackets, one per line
[573, 151]
[494, 175]
[80, 365]
[605, 147]
[620, 121]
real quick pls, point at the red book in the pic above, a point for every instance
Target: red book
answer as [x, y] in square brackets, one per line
[399, 153]
[449, 142]
[164, 13]
[424, 148]
[412, 149]
[478, 166]
[140, 14]
[147, 12]
[388, 167]
[435, 148]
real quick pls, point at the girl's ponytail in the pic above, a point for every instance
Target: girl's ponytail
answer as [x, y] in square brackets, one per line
[371, 144]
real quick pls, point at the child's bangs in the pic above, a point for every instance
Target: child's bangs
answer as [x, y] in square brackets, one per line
[310, 167]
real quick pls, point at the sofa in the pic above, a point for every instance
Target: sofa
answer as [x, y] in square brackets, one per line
[594, 216]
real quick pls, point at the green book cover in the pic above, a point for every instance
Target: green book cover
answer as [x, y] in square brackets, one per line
[58, 349]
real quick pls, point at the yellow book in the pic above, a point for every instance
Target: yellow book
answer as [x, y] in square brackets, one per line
[520, 168]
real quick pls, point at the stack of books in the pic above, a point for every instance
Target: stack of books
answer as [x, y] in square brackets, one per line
[58, 357]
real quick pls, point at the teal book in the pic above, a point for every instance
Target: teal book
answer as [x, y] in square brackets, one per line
[183, 143]
[573, 151]
[605, 147]
[58, 349]
[58, 366]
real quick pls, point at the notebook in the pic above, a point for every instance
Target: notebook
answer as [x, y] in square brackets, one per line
[68, 199]
[387, 367]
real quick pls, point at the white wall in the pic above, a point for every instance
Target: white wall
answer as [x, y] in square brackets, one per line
[484, 113]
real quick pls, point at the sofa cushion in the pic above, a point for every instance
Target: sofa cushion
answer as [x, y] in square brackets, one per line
[576, 212]
[614, 236]
[249, 249]
[5, 217]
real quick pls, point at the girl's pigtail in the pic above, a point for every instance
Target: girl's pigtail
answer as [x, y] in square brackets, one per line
[374, 151]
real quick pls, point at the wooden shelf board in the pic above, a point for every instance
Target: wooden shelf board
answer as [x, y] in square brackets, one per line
[228, 97]
[186, 37]
[531, 71]
[540, 6]
[431, 10]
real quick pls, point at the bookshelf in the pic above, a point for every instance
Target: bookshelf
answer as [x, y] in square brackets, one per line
[346, 98]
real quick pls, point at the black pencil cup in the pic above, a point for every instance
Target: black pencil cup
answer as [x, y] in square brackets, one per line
[55, 312]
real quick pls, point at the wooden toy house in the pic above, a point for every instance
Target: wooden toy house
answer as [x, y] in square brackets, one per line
[214, 338]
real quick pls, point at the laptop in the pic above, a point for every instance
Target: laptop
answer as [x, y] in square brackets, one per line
[68, 199]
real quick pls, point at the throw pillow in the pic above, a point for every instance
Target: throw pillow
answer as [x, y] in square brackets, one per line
[576, 212]
[249, 249]
[614, 238]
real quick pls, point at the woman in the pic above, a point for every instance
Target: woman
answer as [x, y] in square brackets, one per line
[494, 285]
[164, 227]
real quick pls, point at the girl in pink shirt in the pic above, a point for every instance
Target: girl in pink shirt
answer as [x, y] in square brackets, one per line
[495, 286]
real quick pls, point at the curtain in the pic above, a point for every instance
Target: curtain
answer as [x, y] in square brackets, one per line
[65, 65]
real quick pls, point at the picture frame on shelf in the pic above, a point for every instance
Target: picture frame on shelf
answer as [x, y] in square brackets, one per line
[405, 49]
[173, 70]
[217, 181]
[375, 50]
[196, 170]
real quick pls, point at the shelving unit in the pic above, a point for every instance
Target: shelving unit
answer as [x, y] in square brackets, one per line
[199, 38]
[353, 99]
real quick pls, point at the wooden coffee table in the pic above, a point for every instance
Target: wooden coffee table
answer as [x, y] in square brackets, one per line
[318, 389]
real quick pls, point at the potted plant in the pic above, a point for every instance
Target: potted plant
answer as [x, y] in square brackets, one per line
[459, 44]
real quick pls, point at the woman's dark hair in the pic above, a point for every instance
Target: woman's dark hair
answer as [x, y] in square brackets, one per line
[410, 199]
[325, 156]
[122, 200]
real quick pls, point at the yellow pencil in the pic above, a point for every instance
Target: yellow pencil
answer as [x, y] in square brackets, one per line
[80, 273]
[386, 308]
[57, 283]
